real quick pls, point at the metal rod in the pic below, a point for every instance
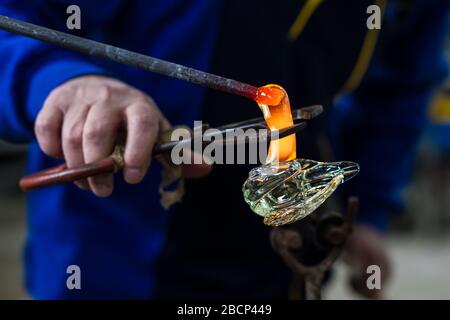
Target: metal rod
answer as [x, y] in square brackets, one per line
[119, 55]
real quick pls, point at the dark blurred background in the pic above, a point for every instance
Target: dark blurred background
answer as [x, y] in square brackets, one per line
[419, 243]
[12, 221]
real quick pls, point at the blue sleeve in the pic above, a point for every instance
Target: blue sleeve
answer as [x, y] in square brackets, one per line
[30, 70]
[382, 120]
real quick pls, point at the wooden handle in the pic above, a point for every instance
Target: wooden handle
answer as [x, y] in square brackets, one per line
[62, 173]
[114, 162]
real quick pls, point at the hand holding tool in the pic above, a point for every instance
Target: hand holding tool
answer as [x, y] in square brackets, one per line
[114, 162]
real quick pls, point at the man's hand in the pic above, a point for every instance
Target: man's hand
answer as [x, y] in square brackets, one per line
[365, 247]
[82, 119]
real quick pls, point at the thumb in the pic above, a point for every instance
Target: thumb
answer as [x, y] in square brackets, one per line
[197, 167]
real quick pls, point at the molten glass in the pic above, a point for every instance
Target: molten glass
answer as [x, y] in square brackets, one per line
[289, 191]
[274, 103]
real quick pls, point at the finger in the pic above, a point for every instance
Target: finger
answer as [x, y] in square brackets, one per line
[189, 171]
[72, 138]
[198, 167]
[143, 126]
[164, 124]
[48, 130]
[99, 137]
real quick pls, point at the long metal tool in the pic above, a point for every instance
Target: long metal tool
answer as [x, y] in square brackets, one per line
[119, 55]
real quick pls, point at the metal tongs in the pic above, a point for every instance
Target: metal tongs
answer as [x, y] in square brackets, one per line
[114, 162]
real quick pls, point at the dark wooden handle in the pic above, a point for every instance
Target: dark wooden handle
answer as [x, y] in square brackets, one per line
[111, 164]
[61, 174]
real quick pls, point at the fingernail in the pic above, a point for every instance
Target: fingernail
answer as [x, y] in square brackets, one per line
[101, 185]
[82, 184]
[133, 175]
[102, 190]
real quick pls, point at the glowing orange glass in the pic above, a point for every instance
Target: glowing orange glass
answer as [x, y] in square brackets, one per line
[274, 103]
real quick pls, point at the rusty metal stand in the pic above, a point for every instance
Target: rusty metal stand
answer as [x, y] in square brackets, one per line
[322, 237]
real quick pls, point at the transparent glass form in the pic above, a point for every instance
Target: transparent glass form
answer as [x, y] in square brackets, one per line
[285, 192]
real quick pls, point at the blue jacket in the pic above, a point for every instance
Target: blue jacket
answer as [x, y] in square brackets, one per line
[115, 242]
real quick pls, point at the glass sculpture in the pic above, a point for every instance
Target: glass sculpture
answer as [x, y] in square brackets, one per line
[287, 189]
[285, 192]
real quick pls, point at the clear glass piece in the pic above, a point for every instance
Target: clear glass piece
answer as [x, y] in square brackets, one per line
[289, 191]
